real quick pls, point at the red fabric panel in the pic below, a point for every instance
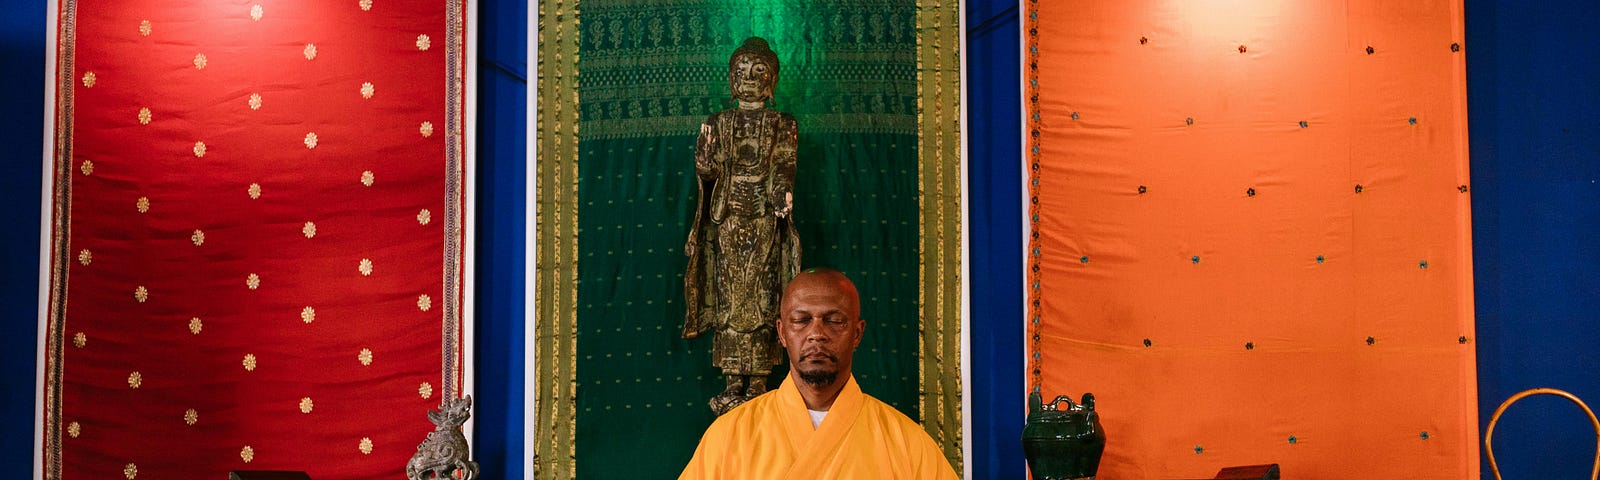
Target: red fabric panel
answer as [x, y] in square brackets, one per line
[231, 281]
[1300, 196]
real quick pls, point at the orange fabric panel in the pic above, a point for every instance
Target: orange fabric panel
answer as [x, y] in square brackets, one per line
[1263, 252]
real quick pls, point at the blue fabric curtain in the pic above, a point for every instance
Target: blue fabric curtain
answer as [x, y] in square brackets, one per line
[22, 48]
[994, 173]
[502, 207]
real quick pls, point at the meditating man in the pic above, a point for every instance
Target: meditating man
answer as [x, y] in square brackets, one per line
[817, 424]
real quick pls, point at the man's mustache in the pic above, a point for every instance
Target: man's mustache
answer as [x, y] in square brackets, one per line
[818, 353]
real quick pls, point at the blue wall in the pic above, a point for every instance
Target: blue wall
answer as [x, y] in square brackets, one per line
[22, 27]
[1535, 132]
[1533, 85]
[994, 172]
[502, 207]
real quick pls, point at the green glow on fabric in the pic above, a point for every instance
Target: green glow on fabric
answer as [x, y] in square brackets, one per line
[649, 75]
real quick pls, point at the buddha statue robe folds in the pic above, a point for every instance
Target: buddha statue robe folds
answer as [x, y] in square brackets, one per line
[742, 246]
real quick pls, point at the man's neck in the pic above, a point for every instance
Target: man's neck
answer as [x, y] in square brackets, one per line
[744, 105]
[819, 397]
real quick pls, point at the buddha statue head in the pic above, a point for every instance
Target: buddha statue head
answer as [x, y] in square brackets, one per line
[753, 71]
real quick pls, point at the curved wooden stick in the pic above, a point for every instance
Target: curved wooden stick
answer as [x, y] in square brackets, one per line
[1488, 435]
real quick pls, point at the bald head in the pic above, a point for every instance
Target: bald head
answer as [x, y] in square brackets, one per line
[823, 280]
[820, 325]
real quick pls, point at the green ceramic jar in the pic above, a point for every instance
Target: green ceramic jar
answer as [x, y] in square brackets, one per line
[1063, 443]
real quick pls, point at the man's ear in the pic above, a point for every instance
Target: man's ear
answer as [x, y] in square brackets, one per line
[777, 326]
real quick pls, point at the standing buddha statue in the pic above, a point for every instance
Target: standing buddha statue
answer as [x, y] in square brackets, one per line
[742, 246]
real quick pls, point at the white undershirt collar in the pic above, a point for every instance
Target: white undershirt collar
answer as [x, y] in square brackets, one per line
[816, 417]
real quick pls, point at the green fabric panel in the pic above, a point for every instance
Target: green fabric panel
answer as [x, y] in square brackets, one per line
[649, 74]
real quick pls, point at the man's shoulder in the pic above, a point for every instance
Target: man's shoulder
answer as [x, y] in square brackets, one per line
[891, 416]
[747, 412]
[911, 440]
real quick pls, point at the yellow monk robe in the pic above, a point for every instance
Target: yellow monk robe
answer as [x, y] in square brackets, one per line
[770, 437]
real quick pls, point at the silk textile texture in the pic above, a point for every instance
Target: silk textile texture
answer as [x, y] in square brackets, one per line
[257, 237]
[1252, 233]
[648, 74]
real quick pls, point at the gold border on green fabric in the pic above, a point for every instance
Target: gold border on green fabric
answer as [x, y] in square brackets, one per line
[939, 212]
[939, 202]
[556, 217]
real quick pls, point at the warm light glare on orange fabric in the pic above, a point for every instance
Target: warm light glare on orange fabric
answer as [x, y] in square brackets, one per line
[1253, 225]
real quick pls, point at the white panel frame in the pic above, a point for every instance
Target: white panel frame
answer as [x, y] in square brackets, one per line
[46, 206]
[1022, 197]
[469, 182]
[966, 261]
[530, 254]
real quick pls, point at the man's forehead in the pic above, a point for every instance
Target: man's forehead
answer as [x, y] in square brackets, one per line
[815, 309]
[816, 288]
[820, 282]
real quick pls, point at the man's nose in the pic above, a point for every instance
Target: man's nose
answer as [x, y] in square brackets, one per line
[815, 332]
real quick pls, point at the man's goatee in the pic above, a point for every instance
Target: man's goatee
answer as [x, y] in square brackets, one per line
[820, 378]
